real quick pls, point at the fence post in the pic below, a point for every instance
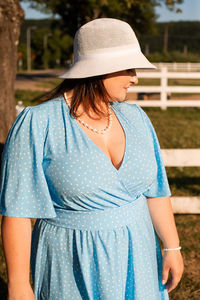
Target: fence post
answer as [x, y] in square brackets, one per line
[175, 66]
[164, 83]
[188, 66]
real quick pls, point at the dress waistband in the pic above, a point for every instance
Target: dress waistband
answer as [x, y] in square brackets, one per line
[100, 219]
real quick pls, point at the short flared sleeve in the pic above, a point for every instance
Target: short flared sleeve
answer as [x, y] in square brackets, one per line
[160, 186]
[24, 190]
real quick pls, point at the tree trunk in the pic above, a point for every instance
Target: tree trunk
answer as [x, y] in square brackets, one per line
[165, 45]
[11, 17]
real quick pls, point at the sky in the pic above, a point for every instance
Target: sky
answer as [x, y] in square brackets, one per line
[190, 12]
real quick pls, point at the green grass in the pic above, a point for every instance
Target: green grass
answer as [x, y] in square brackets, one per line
[50, 83]
[27, 97]
[180, 95]
[179, 128]
[184, 82]
[3, 276]
[184, 181]
[176, 127]
[188, 229]
[171, 81]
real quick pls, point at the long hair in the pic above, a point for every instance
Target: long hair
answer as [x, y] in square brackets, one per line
[88, 91]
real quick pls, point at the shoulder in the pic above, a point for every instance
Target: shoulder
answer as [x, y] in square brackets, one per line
[36, 119]
[42, 113]
[46, 108]
[131, 111]
[136, 117]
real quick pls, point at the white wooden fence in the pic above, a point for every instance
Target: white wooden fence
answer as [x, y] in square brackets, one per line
[183, 158]
[164, 89]
[174, 66]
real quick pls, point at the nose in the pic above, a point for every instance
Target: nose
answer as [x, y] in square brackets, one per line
[134, 78]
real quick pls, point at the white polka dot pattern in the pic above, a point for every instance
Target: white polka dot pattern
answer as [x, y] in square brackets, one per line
[50, 167]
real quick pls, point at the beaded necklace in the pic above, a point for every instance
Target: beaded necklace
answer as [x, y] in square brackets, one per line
[100, 131]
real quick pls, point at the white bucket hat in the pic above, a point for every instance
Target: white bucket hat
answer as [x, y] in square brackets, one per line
[104, 46]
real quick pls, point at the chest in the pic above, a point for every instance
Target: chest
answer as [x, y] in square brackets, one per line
[78, 164]
[112, 143]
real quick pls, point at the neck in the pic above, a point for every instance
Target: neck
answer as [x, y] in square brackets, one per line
[102, 106]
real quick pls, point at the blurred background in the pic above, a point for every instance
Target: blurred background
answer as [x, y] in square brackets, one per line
[166, 33]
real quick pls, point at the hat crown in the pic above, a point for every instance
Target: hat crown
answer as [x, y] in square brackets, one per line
[103, 34]
[105, 46]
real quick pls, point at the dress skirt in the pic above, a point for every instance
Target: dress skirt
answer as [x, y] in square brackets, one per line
[98, 255]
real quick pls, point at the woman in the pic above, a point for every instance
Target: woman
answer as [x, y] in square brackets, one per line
[88, 166]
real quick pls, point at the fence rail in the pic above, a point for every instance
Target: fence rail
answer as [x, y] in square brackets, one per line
[188, 66]
[183, 158]
[164, 89]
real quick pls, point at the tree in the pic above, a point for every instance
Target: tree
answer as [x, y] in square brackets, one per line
[73, 13]
[171, 4]
[58, 46]
[11, 17]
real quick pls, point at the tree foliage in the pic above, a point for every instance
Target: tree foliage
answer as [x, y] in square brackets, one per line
[172, 4]
[58, 50]
[183, 43]
[140, 14]
[182, 34]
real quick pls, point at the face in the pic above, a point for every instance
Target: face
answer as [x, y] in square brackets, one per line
[117, 83]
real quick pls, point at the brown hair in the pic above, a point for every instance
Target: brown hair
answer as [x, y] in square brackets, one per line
[88, 91]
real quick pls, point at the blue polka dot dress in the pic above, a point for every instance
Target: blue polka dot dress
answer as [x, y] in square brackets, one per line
[93, 238]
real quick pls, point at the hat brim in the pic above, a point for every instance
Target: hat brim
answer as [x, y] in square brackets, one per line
[96, 66]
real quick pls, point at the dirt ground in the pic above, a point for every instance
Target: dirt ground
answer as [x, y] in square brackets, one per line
[30, 81]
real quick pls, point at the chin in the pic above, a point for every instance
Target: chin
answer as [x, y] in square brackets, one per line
[120, 98]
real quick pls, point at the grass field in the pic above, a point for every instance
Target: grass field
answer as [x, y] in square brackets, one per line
[174, 82]
[176, 128]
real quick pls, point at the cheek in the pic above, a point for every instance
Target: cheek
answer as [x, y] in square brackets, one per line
[115, 89]
[113, 85]
[110, 85]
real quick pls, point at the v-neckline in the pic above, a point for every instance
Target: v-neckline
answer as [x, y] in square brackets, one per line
[115, 110]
